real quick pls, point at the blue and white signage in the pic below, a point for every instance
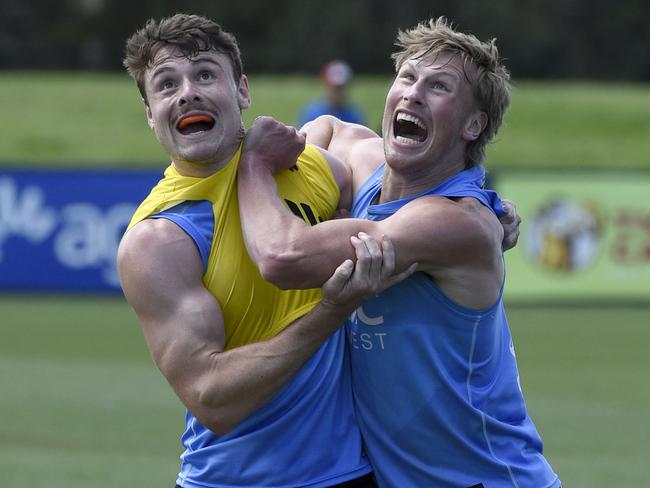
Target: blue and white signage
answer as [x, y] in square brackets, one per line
[59, 229]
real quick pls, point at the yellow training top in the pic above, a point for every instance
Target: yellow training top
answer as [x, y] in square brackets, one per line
[253, 309]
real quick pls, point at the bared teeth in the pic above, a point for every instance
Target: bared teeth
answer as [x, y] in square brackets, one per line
[409, 129]
[193, 119]
[411, 118]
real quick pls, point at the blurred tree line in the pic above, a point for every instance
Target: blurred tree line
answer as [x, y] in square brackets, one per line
[595, 39]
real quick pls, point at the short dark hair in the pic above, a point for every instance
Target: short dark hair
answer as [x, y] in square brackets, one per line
[191, 34]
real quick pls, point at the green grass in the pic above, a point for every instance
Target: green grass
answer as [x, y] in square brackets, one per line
[585, 376]
[83, 405]
[575, 124]
[97, 119]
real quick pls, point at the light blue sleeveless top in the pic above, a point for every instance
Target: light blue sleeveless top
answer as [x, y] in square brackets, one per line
[306, 436]
[435, 384]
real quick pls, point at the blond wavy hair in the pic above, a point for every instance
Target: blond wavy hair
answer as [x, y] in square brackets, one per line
[491, 85]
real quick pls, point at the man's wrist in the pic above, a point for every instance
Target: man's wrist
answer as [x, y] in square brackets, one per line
[253, 162]
[338, 311]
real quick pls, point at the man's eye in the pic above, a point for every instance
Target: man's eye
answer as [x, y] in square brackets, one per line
[167, 85]
[205, 76]
[437, 85]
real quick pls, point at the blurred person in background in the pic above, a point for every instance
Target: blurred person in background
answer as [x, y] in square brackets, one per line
[262, 371]
[336, 77]
[434, 373]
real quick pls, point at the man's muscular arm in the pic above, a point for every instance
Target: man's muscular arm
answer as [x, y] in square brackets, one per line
[360, 149]
[434, 233]
[161, 273]
[291, 254]
[338, 137]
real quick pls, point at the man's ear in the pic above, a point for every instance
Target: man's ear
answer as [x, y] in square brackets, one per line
[147, 110]
[475, 125]
[243, 93]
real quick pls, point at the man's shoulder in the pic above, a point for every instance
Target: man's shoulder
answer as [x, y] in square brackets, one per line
[462, 247]
[369, 149]
[365, 155]
[151, 246]
[152, 233]
[465, 216]
[467, 206]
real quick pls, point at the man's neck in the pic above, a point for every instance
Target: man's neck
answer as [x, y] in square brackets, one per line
[202, 169]
[397, 185]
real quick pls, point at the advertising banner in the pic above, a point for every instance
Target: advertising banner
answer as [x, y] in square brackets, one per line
[585, 235]
[59, 229]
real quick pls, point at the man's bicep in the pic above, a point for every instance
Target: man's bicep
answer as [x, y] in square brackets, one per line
[328, 243]
[156, 259]
[161, 273]
[439, 233]
[321, 248]
[417, 232]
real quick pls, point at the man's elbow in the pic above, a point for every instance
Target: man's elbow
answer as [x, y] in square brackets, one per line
[286, 271]
[220, 419]
[220, 427]
[207, 402]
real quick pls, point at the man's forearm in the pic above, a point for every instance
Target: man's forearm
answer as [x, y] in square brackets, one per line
[268, 226]
[288, 252]
[250, 375]
[245, 378]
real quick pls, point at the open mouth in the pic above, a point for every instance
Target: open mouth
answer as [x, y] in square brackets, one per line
[409, 128]
[195, 123]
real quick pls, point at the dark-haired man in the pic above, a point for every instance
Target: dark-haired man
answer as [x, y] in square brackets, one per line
[262, 371]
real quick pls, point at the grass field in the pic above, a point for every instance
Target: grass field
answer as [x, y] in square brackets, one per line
[82, 405]
[84, 120]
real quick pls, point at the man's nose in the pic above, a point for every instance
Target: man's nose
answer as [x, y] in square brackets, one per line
[413, 93]
[188, 93]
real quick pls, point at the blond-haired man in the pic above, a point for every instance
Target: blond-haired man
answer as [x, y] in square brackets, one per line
[435, 380]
